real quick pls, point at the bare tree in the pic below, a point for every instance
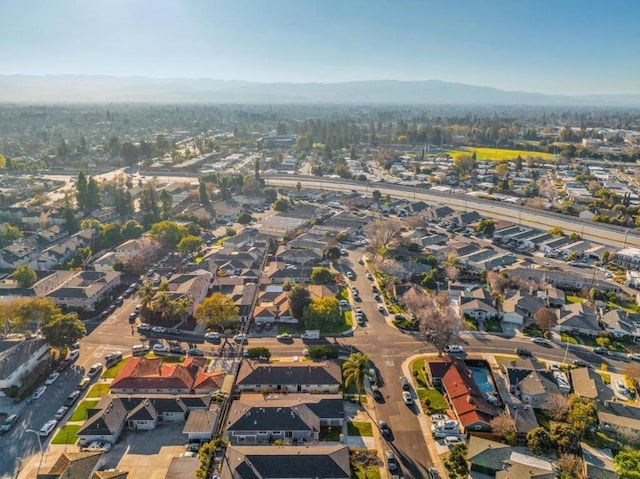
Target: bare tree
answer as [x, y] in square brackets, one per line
[571, 466]
[545, 318]
[503, 425]
[632, 371]
[452, 273]
[381, 233]
[556, 406]
[436, 317]
[416, 222]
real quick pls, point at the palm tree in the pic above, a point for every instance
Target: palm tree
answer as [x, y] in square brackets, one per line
[181, 308]
[146, 293]
[354, 370]
[162, 304]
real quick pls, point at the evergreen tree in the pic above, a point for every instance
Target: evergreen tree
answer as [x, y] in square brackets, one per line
[93, 198]
[81, 190]
[166, 204]
[204, 194]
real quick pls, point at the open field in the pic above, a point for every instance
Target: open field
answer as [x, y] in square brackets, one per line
[498, 154]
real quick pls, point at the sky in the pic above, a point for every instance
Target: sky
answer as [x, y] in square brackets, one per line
[549, 46]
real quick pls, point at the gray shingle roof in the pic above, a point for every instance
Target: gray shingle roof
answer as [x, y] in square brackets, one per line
[289, 373]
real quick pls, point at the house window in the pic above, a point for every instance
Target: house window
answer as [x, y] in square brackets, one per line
[262, 433]
[277, 433]
[288, 434]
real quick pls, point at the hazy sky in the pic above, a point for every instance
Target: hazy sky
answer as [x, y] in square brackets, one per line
[549, 46]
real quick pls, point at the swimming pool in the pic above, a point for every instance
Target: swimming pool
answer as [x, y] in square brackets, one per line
[482, 378]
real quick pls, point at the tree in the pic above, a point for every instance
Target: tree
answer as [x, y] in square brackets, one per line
[627, 463]
[245, 218]
[465, 163]
[321, 351]
[376, 195]
[381, 233]
[565, 437]
[149, 204]
[204, 194]
[166, 204]
[190, 244]
[321, 276]
[571, 466]
[256, 168]
[94, 197]
[545, 318]
[110, 235]
[259, 352]
[299, 299]
[556, 406]
[131, 230]
[270, 195]
[486, 227]
[36, 310]
[10, 234]
[353, 371]
[583, 414]
[503, 425]
[81, 190]
[69, 220]
[321, 313]
[168, 233]
[129, 152]
[281, 204]
[539, 441]
[215, 310]
[456, 462]
[332, 253]
[64, 330]
[435, 317]
[25, 276]
[502, 170]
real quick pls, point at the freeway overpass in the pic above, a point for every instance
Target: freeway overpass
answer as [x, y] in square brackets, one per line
[616, 236]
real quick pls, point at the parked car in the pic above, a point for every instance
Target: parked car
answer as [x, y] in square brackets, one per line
[158, 329]
[452, 440]
[212, 336]
[634, 356]
[160, 348]
[73, 355]
[196, 352]
[48, 426]
[438, 417]
[602, 351]
[9, 423]
[60, 412]
[581, 363]
[176, 349]
[406, 397]
[350, 275]
[139, 349]
[72, 398]
[112, 358]
[144, 327]
[405, 383]
[97, 446]
[453, 349]
[240, 338]
[384, 428]
[392, 465]
[375, 392]
[523, 352]
[381, 309]
[94, 370]
[284, 337]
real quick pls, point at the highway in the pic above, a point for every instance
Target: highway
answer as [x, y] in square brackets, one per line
[601, 233]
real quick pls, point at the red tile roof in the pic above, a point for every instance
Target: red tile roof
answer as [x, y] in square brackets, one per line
[152, 373]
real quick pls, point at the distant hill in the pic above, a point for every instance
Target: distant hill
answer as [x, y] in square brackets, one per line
[106, 89]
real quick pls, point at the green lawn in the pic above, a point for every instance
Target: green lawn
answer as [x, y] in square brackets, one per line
[98, 390]
[574, 299]
[113, 371]
[498, 154]
[499, 357]
[395, 309]
[371, 472]
[437, 402]
[67, 434]
[359, 429]
[406, 324]
[494, 326]
[80, 414]
[221, 241]
[419, 373]
[330, 433]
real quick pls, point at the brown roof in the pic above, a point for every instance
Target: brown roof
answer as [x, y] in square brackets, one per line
[209, 381]
[145, 373]
[77, 465]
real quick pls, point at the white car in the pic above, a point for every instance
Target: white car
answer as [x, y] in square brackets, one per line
[61, 412]
[48, 426]
[349, 275]
[144, 327]
[240, 338]
[73, 355]
[284, 337]
[406, 397]
[158, 329]
[39, 392]
[52, 378]
[634, 356]
[540, 341]
[94, 370]
[454, 348]
[97, 446]
[160, 348]
[212, 336]
[451, 440]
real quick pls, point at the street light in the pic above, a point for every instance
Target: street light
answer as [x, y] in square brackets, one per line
[39, 444]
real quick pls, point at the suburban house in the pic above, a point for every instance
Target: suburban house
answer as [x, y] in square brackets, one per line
[79, 465]
[144, 246]
[290, 377]
[477, 304]
[194, 286]
[578, 318]
[298, 256]
[153, 376]
[524, 418]
[272, 306]
[620, 324]
[520, 307]
[201, 424]
[494, 459]
[555, 297]
[280, 272]
[589, 384]
[85, 289]
[140, 412]
[473, 409]
[618, 417]
[628, 258]
[530, 381]
[598, 463]
[295, 418]
[19, 358]
[268, 462]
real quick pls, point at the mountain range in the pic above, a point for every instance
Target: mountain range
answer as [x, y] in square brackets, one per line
[111, 89]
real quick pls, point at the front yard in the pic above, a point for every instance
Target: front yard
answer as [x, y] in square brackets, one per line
[359, 429]
[80, 414]
[431, 399]
[113, 371]
[98, 390]
[67, 435]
